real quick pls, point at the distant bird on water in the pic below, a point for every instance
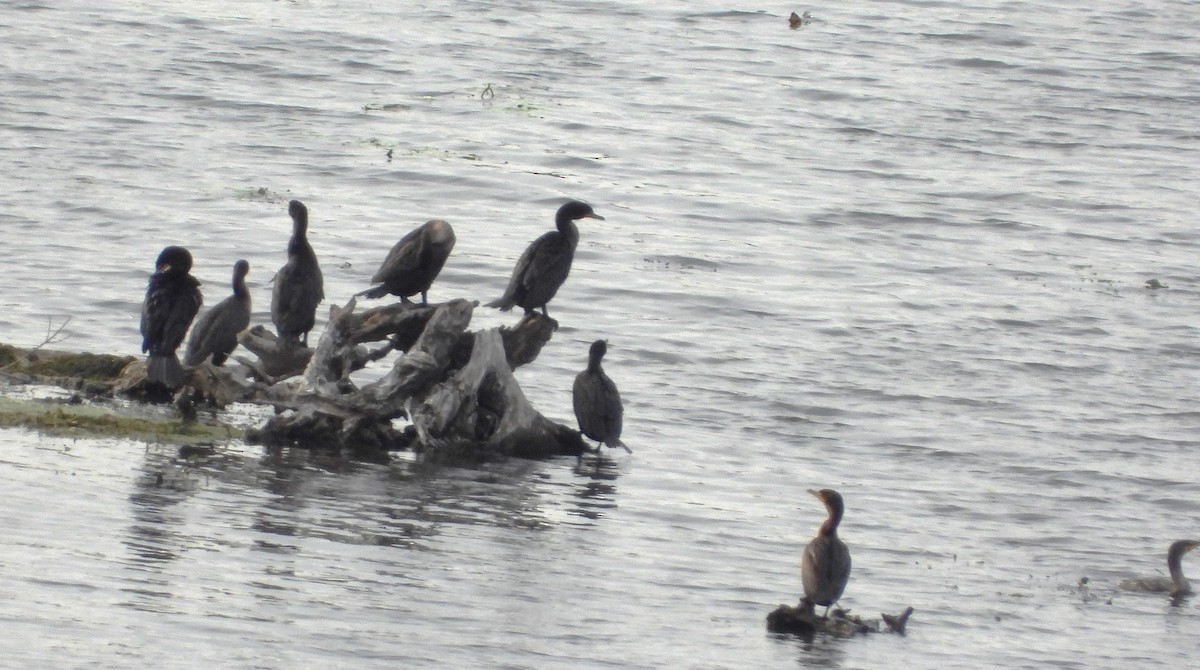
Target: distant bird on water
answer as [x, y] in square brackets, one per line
[597, 402]
[172, 300]
[825, 565]
[299, 286]
[414, 262]
[216, 332]
[1177, 584]
[544, 266]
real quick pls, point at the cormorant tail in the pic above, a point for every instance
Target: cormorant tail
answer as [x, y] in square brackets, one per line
[373, 293]
[165, 370]
[504, 304]
[617, 443]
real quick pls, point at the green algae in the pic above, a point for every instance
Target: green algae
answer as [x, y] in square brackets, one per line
[91, 367]
[92, 421]
[47, 363]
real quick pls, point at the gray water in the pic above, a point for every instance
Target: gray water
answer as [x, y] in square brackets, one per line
[900, 252]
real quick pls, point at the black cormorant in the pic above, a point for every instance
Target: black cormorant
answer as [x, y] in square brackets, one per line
[1177, 584]
[414, 262]
[597, 402]
[825, 567]
[299, 286]
[544, 266]
[172, 300]
[216, 332]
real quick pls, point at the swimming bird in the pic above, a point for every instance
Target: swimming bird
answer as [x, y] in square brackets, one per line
[299, 286]
[597, 402]
[825, 566]
[216, 332]
[544, 266]
[1177, 584]
[414, 262]
[172, 300]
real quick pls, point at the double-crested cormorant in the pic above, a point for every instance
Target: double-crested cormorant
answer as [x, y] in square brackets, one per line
[299, 286]
[172, 300]
[597, 402]
[1177, 585]
[414, 262]
[216, 332]
[544, 266]
[825, 567]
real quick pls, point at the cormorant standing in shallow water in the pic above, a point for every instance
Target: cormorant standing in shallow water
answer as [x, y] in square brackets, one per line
[1177, 585]
[544, 266]
[414, 262]
[597, 402]
[825, 566]
[216, 332]
[172, 300]
[299, 286]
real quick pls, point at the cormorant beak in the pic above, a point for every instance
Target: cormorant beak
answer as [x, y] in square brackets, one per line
[164, 267]
[593, 215]
[817, 494]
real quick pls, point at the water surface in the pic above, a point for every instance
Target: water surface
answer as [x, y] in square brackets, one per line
[900, 252]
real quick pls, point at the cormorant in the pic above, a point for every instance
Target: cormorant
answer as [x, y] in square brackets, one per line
[299, 286]
[825, 566]
[597, 402]
[544, 266]
[216, 332]
[1177, 585]
[172, 300]
[414, 262]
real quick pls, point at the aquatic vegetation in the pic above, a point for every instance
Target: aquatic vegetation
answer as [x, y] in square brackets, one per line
[58, 417]
[44, 363]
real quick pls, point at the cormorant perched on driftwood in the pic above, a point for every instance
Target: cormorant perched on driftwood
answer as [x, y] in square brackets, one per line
[216, 332]
[299, 286]
[414, 262]
[544, 266]
[597, 402]
[825, 566]
[172, 300]
[1177, 585]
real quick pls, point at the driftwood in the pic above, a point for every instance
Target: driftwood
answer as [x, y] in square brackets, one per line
[802, 620]
[455, 387]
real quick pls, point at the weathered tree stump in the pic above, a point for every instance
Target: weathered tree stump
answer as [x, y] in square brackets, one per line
[276, 360]
[455, 386]
[802, 620]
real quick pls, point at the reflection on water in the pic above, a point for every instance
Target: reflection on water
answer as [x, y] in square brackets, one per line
[286, 497]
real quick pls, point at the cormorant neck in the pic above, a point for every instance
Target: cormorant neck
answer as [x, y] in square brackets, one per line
[829, 528]
[594, 364]
[299, 242]
[299, 225]
[239, 286]
[566, 226]
[1174, 564]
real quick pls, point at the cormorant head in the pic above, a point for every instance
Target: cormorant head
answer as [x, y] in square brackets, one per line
[241, 269]
[576, 210]
[1181, 547]
[440, 233]
[174, 258]
[597, 351]
[299, 214]
[832, 500]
